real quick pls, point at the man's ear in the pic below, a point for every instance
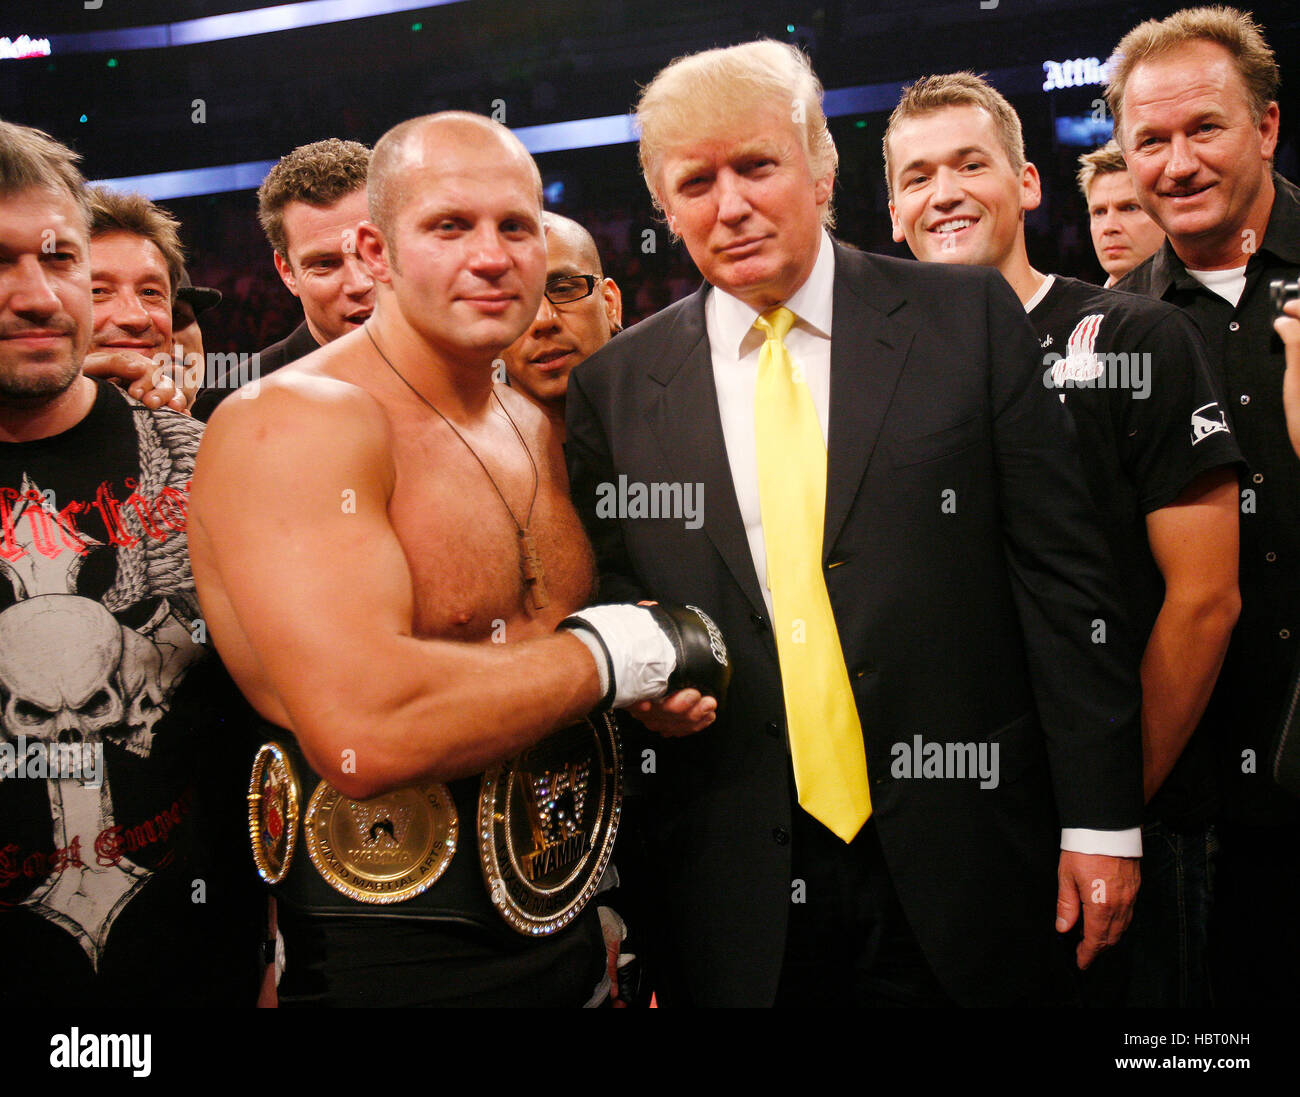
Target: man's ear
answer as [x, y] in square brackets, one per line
[898, 225]
[668, 215]
[1268, 130]
[823, 187]
[1031, 188]
[613, 304]
[374, 252]
[285, 271]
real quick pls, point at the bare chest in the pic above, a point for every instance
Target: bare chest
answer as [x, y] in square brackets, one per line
[470, 574]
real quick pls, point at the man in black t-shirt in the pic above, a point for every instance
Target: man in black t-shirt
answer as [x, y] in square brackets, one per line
[1161, 463]
[116, 886]
[1195, 103]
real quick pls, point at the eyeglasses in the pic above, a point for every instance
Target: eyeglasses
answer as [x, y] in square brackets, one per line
[570, 288]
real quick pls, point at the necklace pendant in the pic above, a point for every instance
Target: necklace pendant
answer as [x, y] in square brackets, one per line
[534, 574]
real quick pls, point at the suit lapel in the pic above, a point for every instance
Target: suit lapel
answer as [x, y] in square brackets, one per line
[686, 424]
[868, 350]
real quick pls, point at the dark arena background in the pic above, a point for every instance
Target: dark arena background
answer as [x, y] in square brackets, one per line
[193, 109]
[192, 101]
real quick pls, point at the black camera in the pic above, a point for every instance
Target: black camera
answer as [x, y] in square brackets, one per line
[1280, 291]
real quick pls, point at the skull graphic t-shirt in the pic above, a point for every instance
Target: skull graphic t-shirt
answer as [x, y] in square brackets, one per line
[120, 875]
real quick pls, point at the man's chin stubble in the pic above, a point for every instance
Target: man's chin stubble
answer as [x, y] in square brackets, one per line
[31, 392]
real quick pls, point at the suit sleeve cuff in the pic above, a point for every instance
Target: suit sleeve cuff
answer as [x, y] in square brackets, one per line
[1109, 843]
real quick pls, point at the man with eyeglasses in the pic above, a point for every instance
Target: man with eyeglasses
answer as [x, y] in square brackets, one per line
[580, 312]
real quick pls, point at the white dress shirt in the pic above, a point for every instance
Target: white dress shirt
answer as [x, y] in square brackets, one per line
[734, 346]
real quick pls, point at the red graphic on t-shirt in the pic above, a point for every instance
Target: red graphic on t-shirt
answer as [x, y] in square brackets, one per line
[51, 534]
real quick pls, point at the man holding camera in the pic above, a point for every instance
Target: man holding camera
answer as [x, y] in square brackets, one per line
[1194, 99]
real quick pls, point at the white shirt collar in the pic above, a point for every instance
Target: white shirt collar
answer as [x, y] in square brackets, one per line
[1040, 293]
[811, 303]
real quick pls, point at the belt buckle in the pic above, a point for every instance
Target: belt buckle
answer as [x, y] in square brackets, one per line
[385, 849]
[547, 820]
[274, 804]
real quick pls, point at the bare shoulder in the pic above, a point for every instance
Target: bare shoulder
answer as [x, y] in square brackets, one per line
[306, 402]
[305, 419]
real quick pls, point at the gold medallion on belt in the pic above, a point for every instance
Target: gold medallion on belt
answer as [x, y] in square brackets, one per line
[547, 820]
[273, 808]
[384, 849]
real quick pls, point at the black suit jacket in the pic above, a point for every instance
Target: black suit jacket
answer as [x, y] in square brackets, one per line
[974, 600]
[297, 344]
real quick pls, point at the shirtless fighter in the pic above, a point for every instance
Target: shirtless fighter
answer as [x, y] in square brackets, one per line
[384, 549]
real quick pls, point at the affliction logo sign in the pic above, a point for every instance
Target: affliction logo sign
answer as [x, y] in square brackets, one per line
[52, 533]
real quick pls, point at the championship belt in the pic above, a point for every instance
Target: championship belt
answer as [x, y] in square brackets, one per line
[547, 820]
[273, 808]
[385, 849]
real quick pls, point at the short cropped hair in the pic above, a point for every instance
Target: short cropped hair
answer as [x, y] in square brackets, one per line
[957, 89]
[318, 174]
[384, 191]
[1234, 30]
[558, 224]
[1106, 160]
[112, 211]
[689, 96]
[32, 158]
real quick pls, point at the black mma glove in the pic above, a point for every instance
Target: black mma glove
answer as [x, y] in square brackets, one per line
[646, 652]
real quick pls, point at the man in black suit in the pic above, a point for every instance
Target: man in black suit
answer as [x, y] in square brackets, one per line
[309, 205]
[959, 597]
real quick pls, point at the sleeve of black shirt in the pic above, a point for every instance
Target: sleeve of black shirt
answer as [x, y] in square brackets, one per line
[1163, 450]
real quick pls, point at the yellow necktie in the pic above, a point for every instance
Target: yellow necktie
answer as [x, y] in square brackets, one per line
[830, 765]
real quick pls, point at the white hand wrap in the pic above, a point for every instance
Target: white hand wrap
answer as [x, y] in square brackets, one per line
[633, 654]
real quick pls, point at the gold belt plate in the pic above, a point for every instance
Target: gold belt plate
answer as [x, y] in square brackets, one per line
[547, 820]
[385, 849]
[274, 805]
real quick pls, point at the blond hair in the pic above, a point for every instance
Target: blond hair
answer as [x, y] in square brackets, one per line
[32, 158]
[697, 94]
[112, 211]
[1103, 161]
[957, 89]
[1234, 30]
[318, 174]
